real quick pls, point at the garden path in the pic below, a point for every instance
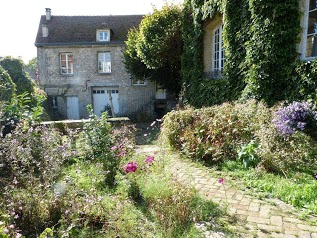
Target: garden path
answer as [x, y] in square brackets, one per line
[251, 217]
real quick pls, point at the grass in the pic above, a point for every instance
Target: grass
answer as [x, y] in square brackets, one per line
[298, 189]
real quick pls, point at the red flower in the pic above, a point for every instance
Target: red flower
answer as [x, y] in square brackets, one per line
[131, 167]
[222, 180]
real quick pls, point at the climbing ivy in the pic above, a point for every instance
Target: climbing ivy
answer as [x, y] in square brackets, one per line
[260, 50]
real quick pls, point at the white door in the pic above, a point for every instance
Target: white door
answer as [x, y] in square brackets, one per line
[102, 98]
[72, 108]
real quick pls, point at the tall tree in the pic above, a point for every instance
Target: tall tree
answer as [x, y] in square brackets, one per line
[154, 49]
[7, 86]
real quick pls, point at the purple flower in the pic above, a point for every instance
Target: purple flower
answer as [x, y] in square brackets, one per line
[222, 180]
[149, 159]
[131, 167]
[293, 117]
[113, 148]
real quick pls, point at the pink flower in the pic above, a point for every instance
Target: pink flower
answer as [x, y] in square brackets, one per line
[122, 153]
[131, 167]
[113, 148]
[222, 180]
[149, 159]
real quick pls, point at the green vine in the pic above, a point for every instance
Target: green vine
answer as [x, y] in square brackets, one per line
[260, 50]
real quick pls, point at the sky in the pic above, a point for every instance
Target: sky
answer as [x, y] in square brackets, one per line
[19, 19]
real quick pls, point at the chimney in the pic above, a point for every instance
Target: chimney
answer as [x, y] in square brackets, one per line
[48, 14]
[44, 30]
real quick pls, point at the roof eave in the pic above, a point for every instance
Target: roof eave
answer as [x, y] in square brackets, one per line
[111, 43]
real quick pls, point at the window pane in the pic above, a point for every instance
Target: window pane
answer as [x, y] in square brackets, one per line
[104, 62]
[312, 4]
[312, 22]
[107, 56]
[311, 46]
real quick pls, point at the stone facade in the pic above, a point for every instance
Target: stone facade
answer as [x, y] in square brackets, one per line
[132, 98]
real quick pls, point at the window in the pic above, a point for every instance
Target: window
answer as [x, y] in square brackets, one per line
[66, 63]
[104, 62]
[103, 35]
[311, 42]
[54, 102]
[218, 50]
[138, 81]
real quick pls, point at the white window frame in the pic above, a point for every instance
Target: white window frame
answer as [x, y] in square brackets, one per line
[104, 62]
[306, 34]
[218, 57]
[138, 82]
[67, 64]
[103, 35]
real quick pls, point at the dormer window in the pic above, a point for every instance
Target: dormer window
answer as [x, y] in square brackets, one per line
[103, 35]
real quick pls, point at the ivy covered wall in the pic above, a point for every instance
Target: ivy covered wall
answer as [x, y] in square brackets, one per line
[260, 39]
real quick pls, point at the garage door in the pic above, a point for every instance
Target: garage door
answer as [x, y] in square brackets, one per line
[102, 100]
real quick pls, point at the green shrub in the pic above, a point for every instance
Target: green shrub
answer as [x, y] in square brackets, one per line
[7, 86]
[33, 154]
[279, 154]
[214, 133]
[248, 154]
[218, 133]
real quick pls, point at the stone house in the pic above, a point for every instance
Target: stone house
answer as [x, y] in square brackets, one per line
[80, 62]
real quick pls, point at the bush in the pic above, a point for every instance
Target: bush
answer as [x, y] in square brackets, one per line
[219, 133]
[281, 154]
[33, 154]
[214, 133]
[31, 160]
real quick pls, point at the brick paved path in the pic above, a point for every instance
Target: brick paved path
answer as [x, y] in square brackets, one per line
[255, 217]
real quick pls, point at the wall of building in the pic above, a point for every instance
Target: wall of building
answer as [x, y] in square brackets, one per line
[131, 97]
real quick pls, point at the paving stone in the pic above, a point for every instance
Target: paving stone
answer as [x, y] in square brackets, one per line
[244, 212]
[290, 228]
[232, 201]
[239, 196]
[276, 220]
[245, 202]
[258, 220]
[304, 234]
[264, 211]
[314, 235]
[292, 220]
[261, 234]
[279, 235]
[254, 209]
[307, 227]
[269, 229]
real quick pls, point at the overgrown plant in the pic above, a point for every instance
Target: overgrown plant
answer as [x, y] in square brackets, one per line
[296, 116]
[248, 155]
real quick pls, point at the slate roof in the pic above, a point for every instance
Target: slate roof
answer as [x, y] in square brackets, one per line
[81, 30]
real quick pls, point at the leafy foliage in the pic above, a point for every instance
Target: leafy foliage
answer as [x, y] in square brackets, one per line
[15, 69]
[245, 130]
[32, 64]
[258, 62]
[7, 87]
[248, 155]
[153, 51]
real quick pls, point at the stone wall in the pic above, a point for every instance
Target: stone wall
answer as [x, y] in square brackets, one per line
[132, 98]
